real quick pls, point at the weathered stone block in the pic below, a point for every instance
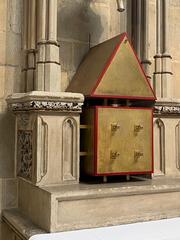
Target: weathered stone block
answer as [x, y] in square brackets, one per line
[2, 80]
[7, 233]
[66, 55]
[3, 15]
[87, 206]
[52, 75]
[166, 138]
[13, 49]
[7, 123]
[52, 53]
[14, 13]
[47, 136]
[3, 48]
[175, 79]
[65, 81]
[10, 193]
[30, 80]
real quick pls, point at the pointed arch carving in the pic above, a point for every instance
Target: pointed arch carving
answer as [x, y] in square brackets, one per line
[159, 147]
[69, 153]
[42, 144]
[177, 142]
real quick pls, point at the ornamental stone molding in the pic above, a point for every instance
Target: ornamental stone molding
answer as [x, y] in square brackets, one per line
[167, 107]
[47, 105]
[66, 102]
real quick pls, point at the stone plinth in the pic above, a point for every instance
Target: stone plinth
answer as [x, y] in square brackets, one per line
[167, 137]
[17, 226]
[63, 208]
[47, 136]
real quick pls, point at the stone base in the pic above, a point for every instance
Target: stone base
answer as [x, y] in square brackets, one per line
[167, 137]
[63, 208]
[18, 226]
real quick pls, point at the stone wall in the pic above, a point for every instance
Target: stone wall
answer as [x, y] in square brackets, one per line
[81, 25]
[174, 39]
[10, 81]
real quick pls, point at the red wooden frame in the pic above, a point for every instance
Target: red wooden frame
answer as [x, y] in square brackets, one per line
[96, 143]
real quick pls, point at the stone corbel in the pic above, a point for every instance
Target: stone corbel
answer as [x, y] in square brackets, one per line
[120, 5]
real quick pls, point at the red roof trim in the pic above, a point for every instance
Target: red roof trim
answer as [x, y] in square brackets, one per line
[122, 36]
[108, 63]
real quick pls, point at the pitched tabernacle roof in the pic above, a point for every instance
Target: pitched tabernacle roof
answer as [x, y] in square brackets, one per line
[111, 69]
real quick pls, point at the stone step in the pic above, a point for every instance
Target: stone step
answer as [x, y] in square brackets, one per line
[63, 208]
[18, 226]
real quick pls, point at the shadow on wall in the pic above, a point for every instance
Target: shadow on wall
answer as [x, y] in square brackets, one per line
[79, 18]
[7, 145]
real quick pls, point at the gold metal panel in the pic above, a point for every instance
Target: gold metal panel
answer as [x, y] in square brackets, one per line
[124, 140]
[124, 77]
[92, 66]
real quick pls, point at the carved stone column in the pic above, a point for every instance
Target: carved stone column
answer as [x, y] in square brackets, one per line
[163, 73]
[48, 70]
[167, 84]
[29, 44]
[145, 43]
[47, 136]
[140, 33]
[41, 67]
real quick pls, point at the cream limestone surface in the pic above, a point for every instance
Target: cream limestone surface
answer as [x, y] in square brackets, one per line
[10, 81]
[93, 23]
[174, 38]
[80, 206]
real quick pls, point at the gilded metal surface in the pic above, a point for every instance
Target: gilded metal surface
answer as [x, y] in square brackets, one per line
[124, 150]
[115, 127]
[124, 77]
[93, 65]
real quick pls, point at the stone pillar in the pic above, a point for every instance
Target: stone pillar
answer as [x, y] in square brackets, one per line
[167, 88]
[47, 136]
[140, 33]
[157, 57]
[145, 48]
[163, 73]
[41, 67]
[29, 44]
[48, 70]
[138, 28]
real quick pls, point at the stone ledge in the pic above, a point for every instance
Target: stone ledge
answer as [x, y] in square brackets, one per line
[136, 187]
[20, 224]
[167, 107]
[39, 100]
[87, 206]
